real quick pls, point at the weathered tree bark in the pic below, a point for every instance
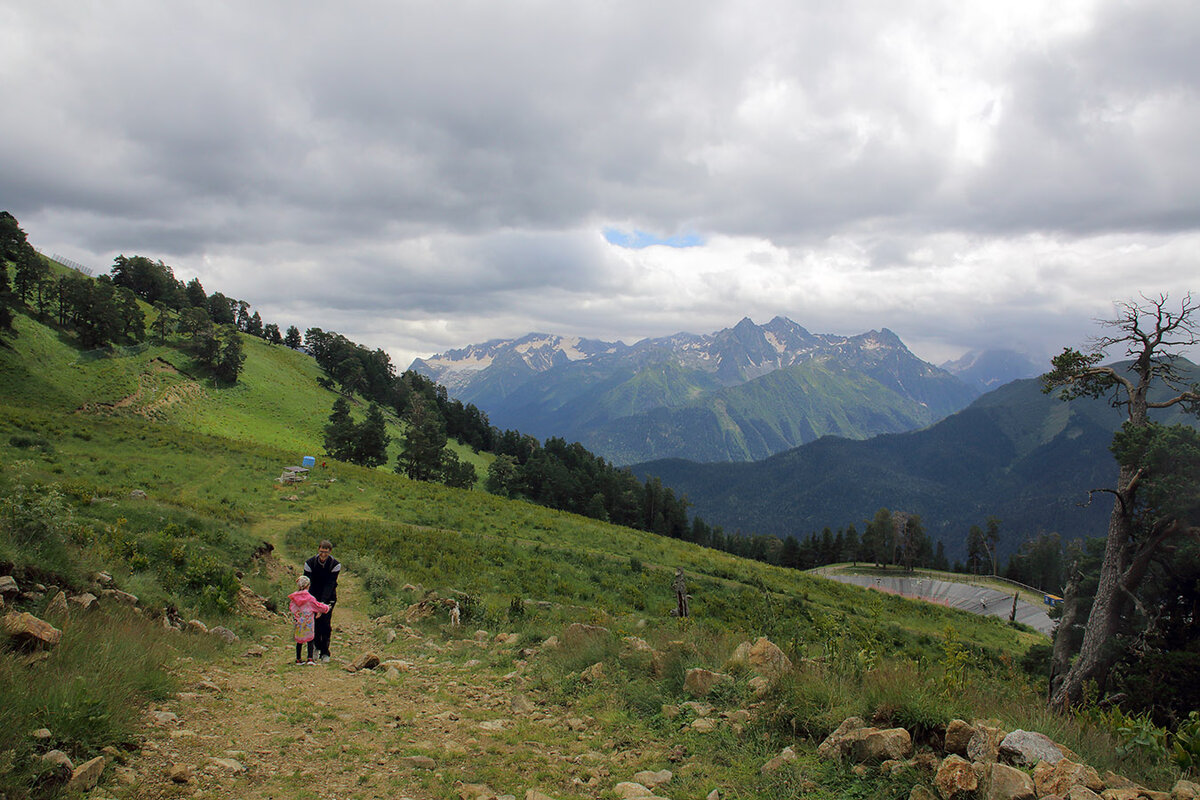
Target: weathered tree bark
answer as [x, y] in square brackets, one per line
[1096, 653]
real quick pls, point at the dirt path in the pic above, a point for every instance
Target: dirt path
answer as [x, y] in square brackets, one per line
[438, 719]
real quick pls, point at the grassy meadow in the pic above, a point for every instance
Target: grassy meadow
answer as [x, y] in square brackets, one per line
[79, 435]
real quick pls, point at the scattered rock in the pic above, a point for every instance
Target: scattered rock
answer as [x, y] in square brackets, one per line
[958, 736]
[230, 765]
[705, 725]
[786, 756]
[832, 746]
[161, 718]
[521, 704]
[699, 682]
[578, 635]
[29, 631]
[416, 762]
[534, 794]
[121, 597]
[87, 774]
[955, 779]
[102, 579]
[474, 791]
[985, 743]
[224, 634]
[594, 673]
[629, 790]
[86, 601]
[57, 766]
[920, 792]
[254, 651]
[196, 626]
[653, 779]
[1185, 790]
[1061, 777]
[1009, 783]
[57, 607]
[42, 734]
[365, 661]
[179, 773]
[137, 494]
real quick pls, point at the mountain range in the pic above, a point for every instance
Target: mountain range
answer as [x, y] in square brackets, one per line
[739, 394]
[1014, 453]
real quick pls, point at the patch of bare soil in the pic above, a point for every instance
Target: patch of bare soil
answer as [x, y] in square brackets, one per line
[422, 725]
[159, 388]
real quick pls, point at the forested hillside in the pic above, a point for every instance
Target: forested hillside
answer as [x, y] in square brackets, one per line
[1015, 453]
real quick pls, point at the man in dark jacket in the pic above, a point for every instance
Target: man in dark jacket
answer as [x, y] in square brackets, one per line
[323, 570]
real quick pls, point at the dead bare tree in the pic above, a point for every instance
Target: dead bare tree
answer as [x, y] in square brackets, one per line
[1152, 335]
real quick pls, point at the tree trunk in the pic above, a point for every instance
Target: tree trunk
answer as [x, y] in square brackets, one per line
[1105, 620]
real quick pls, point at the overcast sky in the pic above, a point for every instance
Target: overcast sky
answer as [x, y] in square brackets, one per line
[423, 175]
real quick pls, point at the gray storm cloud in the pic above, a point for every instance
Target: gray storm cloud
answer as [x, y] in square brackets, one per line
[409, 173]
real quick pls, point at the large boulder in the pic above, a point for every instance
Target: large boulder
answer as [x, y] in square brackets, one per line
[836, 745]
[29, 631]
[8, 587]
[1027, 748]
[768, 660]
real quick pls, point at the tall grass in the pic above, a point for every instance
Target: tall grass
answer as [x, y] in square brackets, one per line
[89, 692]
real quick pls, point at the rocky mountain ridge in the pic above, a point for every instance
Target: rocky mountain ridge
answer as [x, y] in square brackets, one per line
[738, 394]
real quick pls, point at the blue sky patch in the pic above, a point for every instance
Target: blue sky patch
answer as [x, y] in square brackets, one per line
[636, 240]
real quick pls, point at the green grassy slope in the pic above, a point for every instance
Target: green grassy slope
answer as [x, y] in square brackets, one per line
[91, 431]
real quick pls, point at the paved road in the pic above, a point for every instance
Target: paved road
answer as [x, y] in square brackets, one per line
[976, 599]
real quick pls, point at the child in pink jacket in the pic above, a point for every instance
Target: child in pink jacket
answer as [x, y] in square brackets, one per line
[305, 609]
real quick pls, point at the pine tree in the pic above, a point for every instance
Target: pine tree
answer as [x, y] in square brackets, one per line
[340, 432]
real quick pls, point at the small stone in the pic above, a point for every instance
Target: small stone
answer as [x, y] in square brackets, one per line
[8, 586]
[41, 734]
[196, 626]
[163, 718]
[254, 651]
[416, 762]
[230, 765]
[705, 725]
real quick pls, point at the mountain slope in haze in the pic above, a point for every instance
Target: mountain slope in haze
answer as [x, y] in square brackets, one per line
[1015, 453]
[991, 369]
[739, 394]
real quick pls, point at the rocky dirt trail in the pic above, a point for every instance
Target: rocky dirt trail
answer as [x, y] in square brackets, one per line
[438, 718]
